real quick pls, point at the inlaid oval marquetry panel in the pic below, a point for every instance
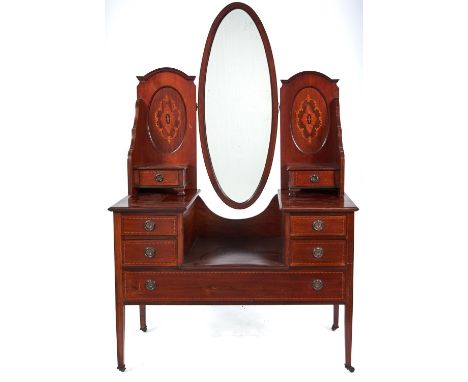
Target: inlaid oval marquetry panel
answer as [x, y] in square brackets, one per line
[309, 120]
[167, 120]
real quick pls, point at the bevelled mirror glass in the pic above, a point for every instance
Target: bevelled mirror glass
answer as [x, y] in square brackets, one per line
[238, 105]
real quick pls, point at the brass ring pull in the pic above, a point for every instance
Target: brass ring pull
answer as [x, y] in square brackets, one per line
[150, 252]
[318, 252]
[317, 284]
[159, 178]
[315, 178]
[318, 225]
[150, 284]
[149, 225]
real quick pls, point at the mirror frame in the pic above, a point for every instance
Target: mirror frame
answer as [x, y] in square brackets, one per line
[201, 106]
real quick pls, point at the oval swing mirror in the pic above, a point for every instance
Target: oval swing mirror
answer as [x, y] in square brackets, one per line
[238, 105]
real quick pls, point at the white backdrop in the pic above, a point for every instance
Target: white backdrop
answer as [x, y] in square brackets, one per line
[67, 93]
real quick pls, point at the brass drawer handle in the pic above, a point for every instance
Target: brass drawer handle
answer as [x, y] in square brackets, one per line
[150, 284]
[318, 225]
[159, 178]
[150, 252]
[317, 284]
[149, 225]
[318, 252]
[314, 178]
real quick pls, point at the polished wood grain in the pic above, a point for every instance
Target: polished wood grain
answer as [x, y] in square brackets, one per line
[119, 292]
[311, 179]
[336, 121]
[309, 120]
[303, 225]
[221, 252]
[349, 293]
[160, 178]
[162, 252]
[167, 120]
[315, 201]
[203, 258]
[229, 286]
[165, 145]
[244, 261]
[166, 69]
[336, 315]
[301, 209]
[189, 231]
[265, 224]
[135, 225]
[319, 139]
[201, 101]
[333, 253]
[180, 239]
[143, 326]
[154, 202]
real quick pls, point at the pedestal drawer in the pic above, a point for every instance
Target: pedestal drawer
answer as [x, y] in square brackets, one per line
[241, 287]
[318, 225]
[317, 252]
[150, 252]
[149, 225]
[160, 178]
[311, 179]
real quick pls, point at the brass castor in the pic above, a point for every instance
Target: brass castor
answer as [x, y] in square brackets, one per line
[144, 328]
[121, 368]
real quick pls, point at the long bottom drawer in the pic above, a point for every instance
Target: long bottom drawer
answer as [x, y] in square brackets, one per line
[230, 286]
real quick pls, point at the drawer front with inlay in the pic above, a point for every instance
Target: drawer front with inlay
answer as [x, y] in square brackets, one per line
[241, 287]
[150, 252]
[160, 178]
[312, 179]
[317, 252]
[149, 225]
[318, 225]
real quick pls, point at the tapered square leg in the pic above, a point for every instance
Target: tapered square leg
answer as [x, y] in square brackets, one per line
[336, 314]
[120, 327]
[119, 305]
[348, 319]
[348, 335]
[143, 327]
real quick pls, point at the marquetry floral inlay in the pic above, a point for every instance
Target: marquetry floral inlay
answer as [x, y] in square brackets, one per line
[309, 124]
[309, 118]
[167, 120]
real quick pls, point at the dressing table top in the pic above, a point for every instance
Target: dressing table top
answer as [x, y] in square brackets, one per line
[304, 201]
[307, 201]
[155, 201]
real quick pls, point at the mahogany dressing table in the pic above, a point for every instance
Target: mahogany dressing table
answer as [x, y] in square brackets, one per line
[171, 249]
